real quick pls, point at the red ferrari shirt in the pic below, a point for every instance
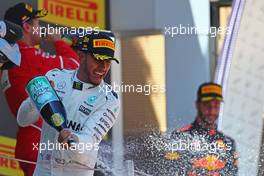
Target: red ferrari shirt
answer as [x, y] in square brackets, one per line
[34, 62]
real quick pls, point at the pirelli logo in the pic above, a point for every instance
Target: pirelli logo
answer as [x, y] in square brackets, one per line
[7, 149]
[77, 13]
[103, 43]
[211, 89]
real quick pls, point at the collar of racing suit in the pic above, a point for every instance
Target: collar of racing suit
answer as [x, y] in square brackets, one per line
[80, 85]
[22, 44]
[210, 132]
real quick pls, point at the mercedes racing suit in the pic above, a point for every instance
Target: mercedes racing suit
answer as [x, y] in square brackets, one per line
[91, 112]
[33, 62]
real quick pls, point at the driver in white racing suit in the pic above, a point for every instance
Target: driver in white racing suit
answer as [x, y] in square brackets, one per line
[91, 106]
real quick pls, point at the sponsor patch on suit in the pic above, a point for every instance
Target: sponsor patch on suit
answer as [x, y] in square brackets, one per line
[84, 110]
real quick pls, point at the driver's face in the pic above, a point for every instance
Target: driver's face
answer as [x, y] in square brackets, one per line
[92, 70]
[209, 110]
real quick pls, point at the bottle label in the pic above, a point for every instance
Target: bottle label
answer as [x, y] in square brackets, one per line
[57, 119]
[41, 92]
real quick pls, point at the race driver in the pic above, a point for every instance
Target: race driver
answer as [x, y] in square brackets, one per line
[199, 148]
[91, 106]
[33, 62]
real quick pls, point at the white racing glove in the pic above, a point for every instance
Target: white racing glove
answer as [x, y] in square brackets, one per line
[27, 113]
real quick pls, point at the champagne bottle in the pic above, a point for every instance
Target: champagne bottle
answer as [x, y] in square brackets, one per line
[47, 102]
[11, 32]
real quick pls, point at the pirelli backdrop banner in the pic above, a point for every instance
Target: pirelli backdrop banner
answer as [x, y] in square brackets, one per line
[75, 13]
[8, 167]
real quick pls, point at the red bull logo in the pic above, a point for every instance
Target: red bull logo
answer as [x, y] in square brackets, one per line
[210, 162]
[208, 174]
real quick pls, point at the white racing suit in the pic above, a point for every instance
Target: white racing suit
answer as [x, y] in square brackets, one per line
[91, 112]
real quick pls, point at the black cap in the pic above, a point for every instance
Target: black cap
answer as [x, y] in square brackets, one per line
[23, 12]
[209, 91]
[100, 44]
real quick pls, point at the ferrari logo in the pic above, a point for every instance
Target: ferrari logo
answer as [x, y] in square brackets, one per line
[29, 8]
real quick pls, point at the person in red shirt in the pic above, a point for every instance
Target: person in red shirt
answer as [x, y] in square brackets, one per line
[34, 62]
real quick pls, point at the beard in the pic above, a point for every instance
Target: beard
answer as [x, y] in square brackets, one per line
[207, 120]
